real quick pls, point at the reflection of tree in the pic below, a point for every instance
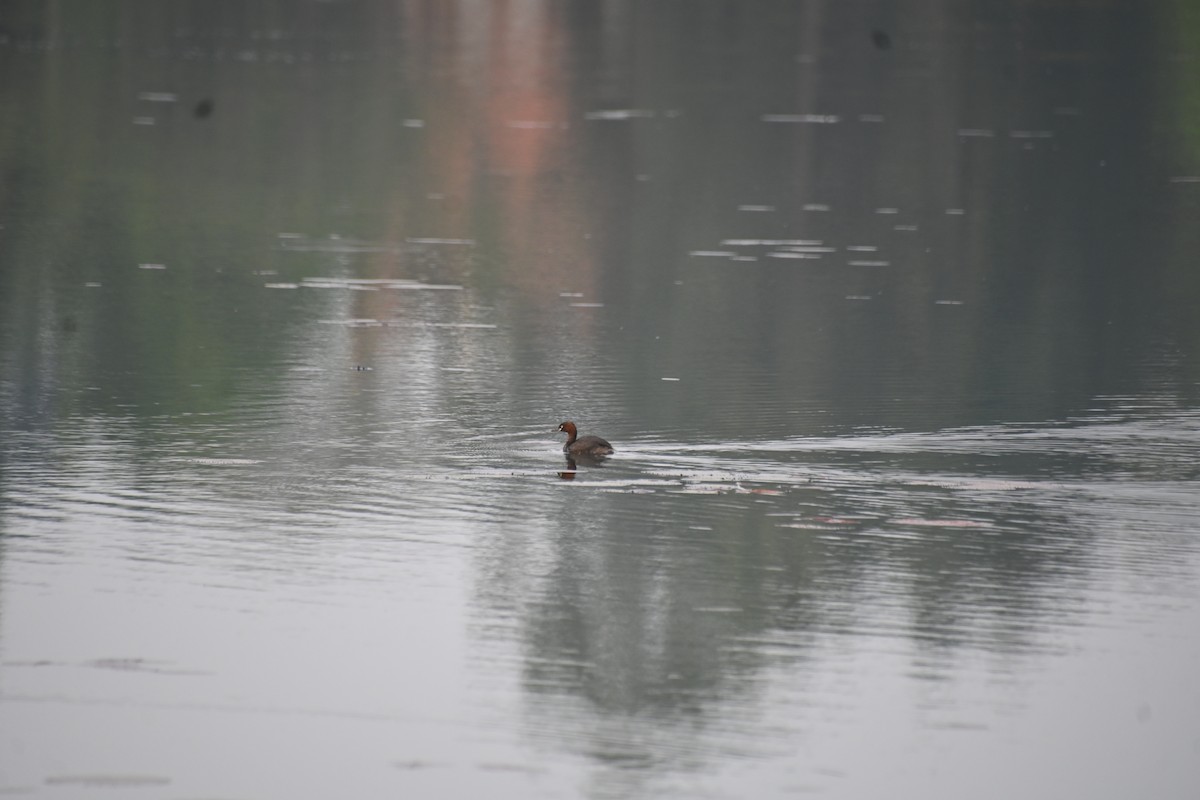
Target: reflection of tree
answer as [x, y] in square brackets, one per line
[653, 629]
[427, 119]
[1041, 260]
[621, 629]
[634, 623]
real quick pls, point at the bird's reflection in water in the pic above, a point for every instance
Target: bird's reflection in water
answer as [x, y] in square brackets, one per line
[572, 468]
[568, 474]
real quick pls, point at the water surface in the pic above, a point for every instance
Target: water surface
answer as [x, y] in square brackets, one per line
[890, 317]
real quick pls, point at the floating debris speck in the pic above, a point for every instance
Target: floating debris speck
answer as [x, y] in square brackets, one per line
[483, 325]
[770, 242]
[372, 284]
[619, 114]
[352, 323]
[334, 244]
[815, 119]
[809, 248]
[942, 523]
[437, 240]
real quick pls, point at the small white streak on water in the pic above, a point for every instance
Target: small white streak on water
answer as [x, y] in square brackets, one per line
[437, 240]
[619, 114]
[816, 119]
[770, 242]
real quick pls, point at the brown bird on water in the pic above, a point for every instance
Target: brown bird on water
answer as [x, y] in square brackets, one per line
[577, 445]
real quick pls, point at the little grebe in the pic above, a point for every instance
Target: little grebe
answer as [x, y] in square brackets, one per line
[578, 445]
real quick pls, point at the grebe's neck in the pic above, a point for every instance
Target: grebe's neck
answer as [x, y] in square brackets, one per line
[572, 433]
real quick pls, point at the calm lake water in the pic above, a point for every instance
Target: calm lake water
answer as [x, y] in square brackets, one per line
[890, 311]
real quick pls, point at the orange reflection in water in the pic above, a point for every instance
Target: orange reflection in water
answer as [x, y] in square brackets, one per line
[492, 87]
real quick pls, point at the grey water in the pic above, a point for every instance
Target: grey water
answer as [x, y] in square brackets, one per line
[889, 310]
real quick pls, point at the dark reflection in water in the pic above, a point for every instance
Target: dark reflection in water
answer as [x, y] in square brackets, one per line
[670, 619]
[888, 312]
